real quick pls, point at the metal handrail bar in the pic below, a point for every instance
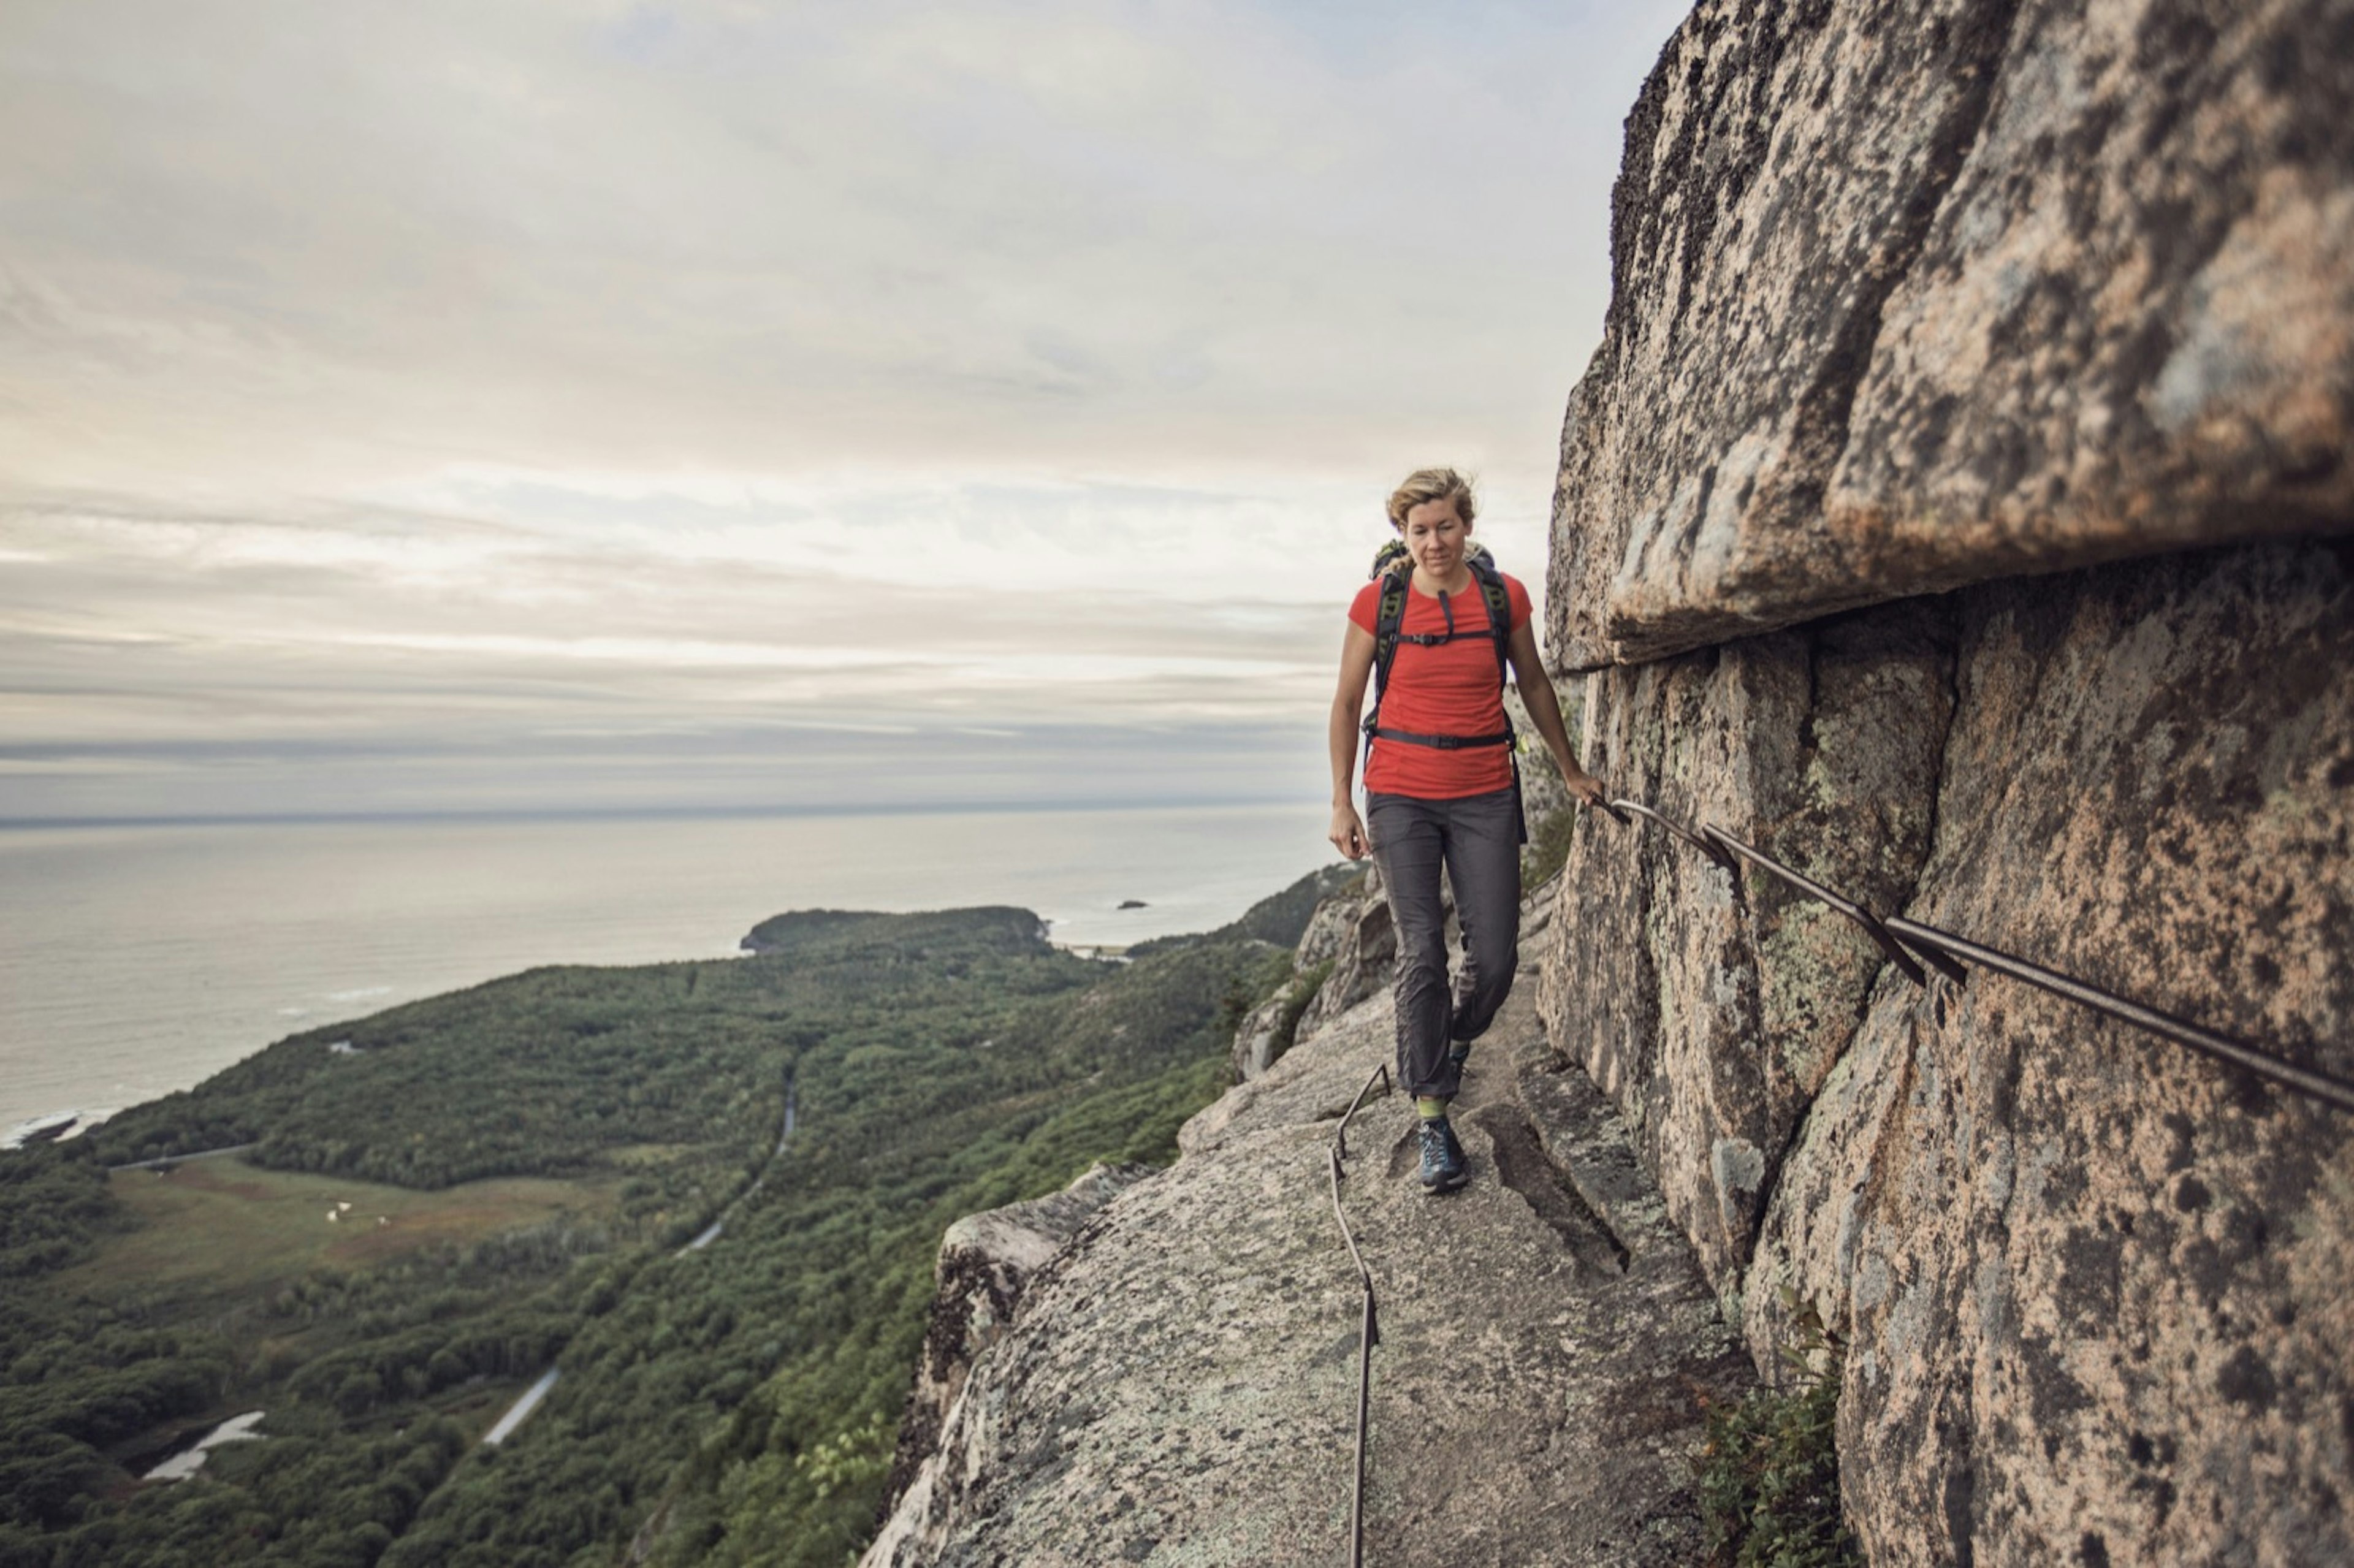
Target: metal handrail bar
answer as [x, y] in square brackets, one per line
[1888, 945]
[1369, 1333]
[1900, 939]
[1706, 846]
[1381, 1075]
[2324, 1087]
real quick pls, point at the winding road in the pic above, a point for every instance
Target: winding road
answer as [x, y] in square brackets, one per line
[711, 1232]
[522, 1408]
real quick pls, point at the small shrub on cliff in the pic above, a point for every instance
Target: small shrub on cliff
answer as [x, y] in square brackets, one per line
[857, 1457]
[1769, 1474]
[1295, 1004]
[1548, 846]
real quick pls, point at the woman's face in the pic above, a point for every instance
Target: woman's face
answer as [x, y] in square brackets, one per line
[1435, 537]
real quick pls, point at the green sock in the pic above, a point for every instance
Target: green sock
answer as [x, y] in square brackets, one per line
[1431, 1108]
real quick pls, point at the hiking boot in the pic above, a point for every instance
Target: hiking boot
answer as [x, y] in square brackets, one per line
[1443, 1166]
[1459, 1054]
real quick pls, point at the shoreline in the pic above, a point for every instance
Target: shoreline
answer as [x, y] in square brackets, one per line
[187, 950]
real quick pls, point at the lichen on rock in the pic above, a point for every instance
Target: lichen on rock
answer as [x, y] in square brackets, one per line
[986, 1262]
[1909, 294]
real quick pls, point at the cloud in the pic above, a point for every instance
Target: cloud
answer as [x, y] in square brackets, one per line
[714, 235]
[395, 373]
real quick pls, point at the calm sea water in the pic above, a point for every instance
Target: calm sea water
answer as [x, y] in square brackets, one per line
[136, 960]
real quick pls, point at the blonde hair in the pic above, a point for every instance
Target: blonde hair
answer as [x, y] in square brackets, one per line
[1426, 485]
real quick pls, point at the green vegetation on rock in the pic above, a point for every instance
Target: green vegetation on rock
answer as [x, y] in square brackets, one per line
[1769, 1476]
[1547, 850]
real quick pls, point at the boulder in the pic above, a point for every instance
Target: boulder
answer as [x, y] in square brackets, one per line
[1334, 939]
[1333, 925]
[1363, 951]
[986, 1262]
[2101, 1290]
[1821, 747]
[1261, 1039]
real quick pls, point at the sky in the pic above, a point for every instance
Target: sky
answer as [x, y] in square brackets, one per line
[550, 406]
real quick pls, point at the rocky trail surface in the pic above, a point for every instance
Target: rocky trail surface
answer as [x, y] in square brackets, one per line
[1180, 1386]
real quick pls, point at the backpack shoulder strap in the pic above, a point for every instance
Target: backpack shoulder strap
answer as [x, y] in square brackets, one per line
[1389, 615]
[1499, 614]
[1499, 625]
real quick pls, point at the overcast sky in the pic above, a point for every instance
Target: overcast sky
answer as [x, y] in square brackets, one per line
[556, 405]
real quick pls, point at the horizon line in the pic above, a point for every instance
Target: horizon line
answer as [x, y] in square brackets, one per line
[624, 814]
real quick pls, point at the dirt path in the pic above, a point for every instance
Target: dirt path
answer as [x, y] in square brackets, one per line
[180, 1159]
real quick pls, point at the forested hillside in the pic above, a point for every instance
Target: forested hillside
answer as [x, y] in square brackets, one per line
[444, 1200]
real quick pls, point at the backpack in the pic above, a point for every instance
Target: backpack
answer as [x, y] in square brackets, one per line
[1395, 573]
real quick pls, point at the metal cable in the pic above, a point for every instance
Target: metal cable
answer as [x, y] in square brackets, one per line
[1370, 1334]
[1908, 944]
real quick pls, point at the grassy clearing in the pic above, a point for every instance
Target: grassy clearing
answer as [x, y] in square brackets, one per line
[221, 1228]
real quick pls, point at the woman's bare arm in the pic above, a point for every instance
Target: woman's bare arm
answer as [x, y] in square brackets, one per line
[1544, 712]
[1348, 833]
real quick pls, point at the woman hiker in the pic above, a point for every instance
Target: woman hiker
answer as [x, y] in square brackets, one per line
[1441, 781]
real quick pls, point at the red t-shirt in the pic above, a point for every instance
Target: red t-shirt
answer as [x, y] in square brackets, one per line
[1450, 689]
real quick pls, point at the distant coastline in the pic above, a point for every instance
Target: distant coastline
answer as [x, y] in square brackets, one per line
[136, 959]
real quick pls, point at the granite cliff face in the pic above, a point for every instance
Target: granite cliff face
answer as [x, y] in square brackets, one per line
[1919, 297]
[2097, 1289]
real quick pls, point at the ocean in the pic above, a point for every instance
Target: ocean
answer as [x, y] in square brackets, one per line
[139, 960]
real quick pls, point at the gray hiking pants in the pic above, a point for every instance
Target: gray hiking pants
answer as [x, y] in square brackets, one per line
[1478, 839]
